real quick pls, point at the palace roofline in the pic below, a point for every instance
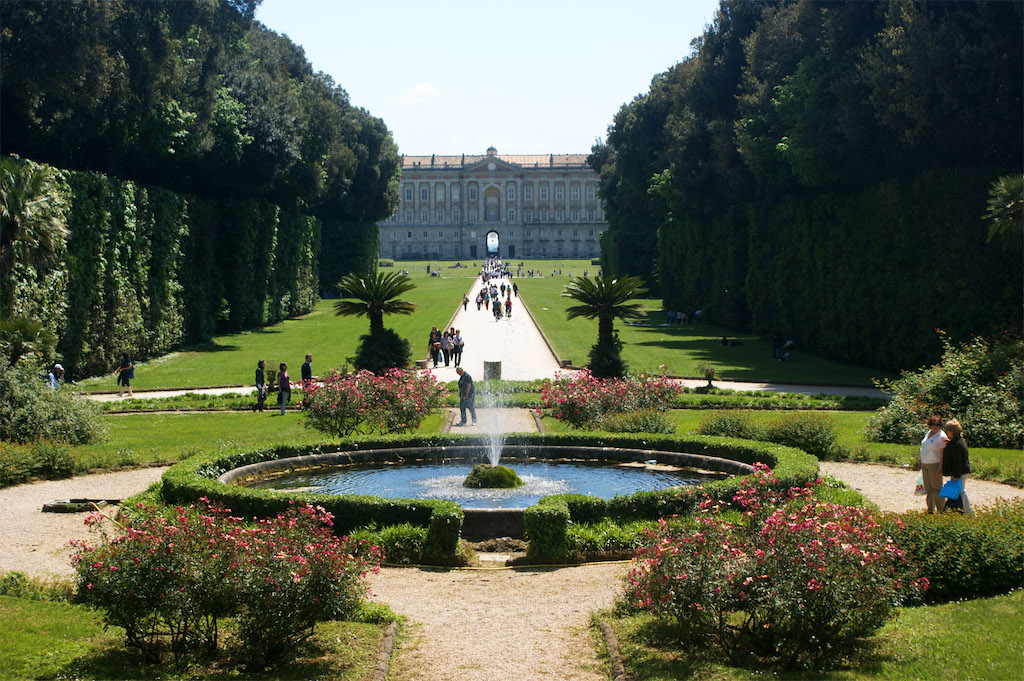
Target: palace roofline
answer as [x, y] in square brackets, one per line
[459, 162]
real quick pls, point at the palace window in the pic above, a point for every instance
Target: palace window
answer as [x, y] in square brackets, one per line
[394, 234]
[511, 192]
[455, 217]
[394, 216]
[424, 217]
[591, 232]
[543, 215]
[528, 232]
[439, 192]
[455, 234]
[472, 214]
[409, 235]
[511, 215]
[559, 215]
[591, 192]
[424, 234]
[408, 193]
[440, 234]
[424, 194]
[543, 193]
[590, 215]
[575, 232]
[528, 193]
[440, 216]
[559, 193]
[527, 215]
[574, 193]
[408, 216]
[472, 193]
[559, 233]
[574, 216]
[455, 192]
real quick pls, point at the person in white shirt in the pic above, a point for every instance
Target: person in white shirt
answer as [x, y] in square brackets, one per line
[931, 462]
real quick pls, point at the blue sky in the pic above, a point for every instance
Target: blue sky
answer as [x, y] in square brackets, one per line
[529, 77]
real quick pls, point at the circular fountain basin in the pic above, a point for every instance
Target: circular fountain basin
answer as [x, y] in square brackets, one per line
[437, 472]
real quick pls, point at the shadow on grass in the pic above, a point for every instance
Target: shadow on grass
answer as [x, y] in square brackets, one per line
[115, 663]
[652, 651]
[212, 346]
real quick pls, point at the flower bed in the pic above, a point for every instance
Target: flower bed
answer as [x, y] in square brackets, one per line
[583, 400]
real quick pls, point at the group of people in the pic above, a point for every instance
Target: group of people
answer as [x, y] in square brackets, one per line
[447, 344]
[283, 381]
[944, 453]
[680, 317]
[490, 297]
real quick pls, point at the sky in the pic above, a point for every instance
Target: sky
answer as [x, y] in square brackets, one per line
[526, 76]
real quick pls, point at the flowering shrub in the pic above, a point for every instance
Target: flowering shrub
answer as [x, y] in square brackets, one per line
[394, 402]
[582, 400]
[169, 579]
[790, 582]
[979, 382]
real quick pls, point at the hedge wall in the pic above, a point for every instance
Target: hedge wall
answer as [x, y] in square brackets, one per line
[146, 270]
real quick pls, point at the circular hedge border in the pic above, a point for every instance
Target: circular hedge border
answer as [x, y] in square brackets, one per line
[199, 476]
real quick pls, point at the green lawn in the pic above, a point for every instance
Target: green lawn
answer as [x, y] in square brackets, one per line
[680, 348]
[145, 439]
[981, 639]
[1000, 465]
[46, 640]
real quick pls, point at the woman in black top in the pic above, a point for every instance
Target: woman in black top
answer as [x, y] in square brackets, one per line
[125, 372]
[955, 462]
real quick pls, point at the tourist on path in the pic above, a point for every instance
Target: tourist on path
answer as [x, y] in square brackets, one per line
[457, 344]
[508, 308]
[125, 373]
[467, 396]
[284, 386]
[55, 376]
[515, 289]
[955, 462]
[434, 344]
[930, 457]
[261, 385]
[446, 347]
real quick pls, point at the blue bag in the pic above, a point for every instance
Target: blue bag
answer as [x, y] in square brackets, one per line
[952, 489]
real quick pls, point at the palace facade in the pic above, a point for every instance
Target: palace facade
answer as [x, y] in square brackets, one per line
[470, 207]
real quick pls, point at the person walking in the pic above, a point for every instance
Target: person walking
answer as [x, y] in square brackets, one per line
[467, 396]
[125, 374]
[284, 386]
[956, 464]
[307, 379]
[465, 302]
[446, 347]
[261, 385]
[434, 344]
[930, 460]
[457, 344]
[515, 289]
[508, 308]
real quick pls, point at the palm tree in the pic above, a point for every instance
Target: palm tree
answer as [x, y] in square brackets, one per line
[605, 300]
[32, 225]
[375, 295]
[1006, 212]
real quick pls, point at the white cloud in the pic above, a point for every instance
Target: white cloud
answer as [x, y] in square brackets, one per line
[421, 95]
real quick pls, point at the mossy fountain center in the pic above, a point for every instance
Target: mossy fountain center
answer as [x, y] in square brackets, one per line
[486, 476]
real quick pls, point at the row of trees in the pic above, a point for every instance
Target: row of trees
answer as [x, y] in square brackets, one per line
[823, 169]
[201, 175]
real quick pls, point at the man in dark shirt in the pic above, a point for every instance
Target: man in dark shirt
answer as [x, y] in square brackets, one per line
[467, 396]
[307, 379]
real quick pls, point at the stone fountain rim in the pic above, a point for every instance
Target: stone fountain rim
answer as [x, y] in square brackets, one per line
[339, 459]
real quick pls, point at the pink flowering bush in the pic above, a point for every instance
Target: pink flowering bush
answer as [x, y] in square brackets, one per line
[394, 402]
[169, 579]
[583, 400]
[789, 581]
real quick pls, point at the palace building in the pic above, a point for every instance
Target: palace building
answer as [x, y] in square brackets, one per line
[470, 207]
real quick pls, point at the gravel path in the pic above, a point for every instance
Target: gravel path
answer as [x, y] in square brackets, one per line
[892, 488]
[498, 625]
[37, 543]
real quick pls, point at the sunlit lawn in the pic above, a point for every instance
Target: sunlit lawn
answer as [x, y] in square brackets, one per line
[680, 348]
[45, 640]
[981, 639]
[140, 439]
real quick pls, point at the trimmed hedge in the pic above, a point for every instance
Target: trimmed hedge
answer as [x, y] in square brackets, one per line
[546, 524]
[964, 556]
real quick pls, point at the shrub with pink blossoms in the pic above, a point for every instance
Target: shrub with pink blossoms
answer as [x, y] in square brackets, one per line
[170, 578]
[791, 583]
[583, 400]
[394, 402]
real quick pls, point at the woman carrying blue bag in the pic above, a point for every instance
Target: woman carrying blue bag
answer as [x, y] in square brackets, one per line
[956, 465]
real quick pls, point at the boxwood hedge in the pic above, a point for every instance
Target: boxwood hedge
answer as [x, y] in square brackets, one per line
[546, 523]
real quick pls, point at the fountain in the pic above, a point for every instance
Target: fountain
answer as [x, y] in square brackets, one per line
[489, 476]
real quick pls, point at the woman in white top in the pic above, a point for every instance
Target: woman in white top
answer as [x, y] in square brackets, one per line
[931, 461]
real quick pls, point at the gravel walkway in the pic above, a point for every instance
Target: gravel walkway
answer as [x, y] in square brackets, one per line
[499, 625]
[37, 543]
[892, 488]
